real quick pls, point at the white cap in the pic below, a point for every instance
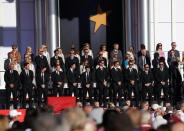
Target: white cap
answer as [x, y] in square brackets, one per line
[14, 113]
[163, 109]
[155, 106]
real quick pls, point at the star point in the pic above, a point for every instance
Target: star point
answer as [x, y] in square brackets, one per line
[99, 19]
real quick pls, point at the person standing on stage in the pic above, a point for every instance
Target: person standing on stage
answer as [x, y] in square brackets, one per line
[73, 79]
[87, 80]
[147, 81]
[58, 78]
[102, 75]
[41, 61]
[12, 84]
[42, 82]
[162, 82]
[56, 59]
[26, 77]
[116, 81]
[131, 78]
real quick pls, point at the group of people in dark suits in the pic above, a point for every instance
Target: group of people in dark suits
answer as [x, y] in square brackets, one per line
[103, 79]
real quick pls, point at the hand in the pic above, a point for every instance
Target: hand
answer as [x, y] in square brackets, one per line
[105, 83]
[43, 85]
[11, 85]
[132, 82]
[59, 83]
[147, 84]
[74, 84]
[87, 85]
[119, 83]
[162, 82]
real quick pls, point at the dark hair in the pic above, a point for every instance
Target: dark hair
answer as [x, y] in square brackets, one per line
[143, 46]
[25, 64]
[157, 47]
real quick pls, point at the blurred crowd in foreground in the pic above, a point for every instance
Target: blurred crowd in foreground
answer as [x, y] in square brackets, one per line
[87, 117]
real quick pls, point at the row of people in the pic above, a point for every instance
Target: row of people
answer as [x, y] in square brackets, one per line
[101, 83]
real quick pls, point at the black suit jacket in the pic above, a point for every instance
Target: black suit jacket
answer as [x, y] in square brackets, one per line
[40, 80]
[146, 78]
[41, 63]
[53, 62]
[6, 64]
[12, 78]
[133, 75]
[87, 79]
[101, 75]
[98, 59]
[116, 75]
[69, 62]
[89, 58]
[58, 78]
[26, 80]
[73, 77]
[162, 75]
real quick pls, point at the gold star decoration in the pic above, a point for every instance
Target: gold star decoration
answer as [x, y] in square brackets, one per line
[99, 19]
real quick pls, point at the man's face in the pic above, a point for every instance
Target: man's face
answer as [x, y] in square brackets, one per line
[58, 68]
[173, 45]
[146, 67]
[161, 64]
[56, 53]
[41, 51]
[117, 64]
[116, 46]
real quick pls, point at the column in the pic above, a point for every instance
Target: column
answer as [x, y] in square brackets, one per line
[144, 22]
[52, 31]
[38, 23]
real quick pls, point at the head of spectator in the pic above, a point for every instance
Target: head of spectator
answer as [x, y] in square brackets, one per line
[135, 116]
[177, 127]
[173, 45]
[14, 116]
[156, 107]
[60, 51]
[145, 120]
[75, 118]
[164, 127]
[182, 106]
[3, 123]
[45, 122]
[144, 105]
[108, 119]
[87, 108]
[159, 47]
[28, 59]
[86, 46]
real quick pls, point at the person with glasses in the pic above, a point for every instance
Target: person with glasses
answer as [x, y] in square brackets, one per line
[162, 82]
[72, 59]
[173, 54]
[159, 50]
[147, 83]
[41, 61]
[131, 78]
